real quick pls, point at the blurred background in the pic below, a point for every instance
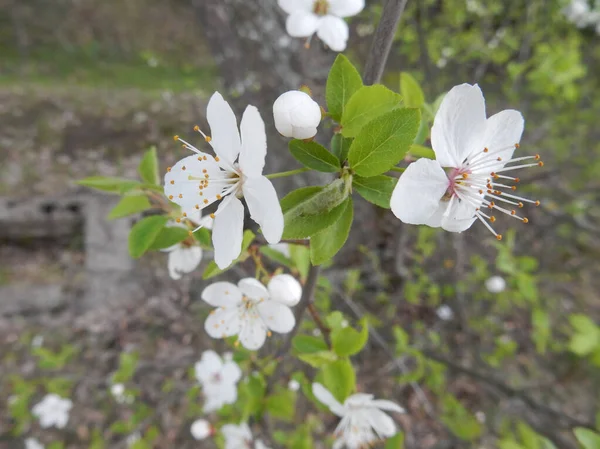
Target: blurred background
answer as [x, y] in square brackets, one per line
[86, 87]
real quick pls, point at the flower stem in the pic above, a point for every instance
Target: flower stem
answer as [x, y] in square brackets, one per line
[398, 169]
[283, 174]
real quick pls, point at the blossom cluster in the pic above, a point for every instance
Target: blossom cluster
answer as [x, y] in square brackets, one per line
[584, 13]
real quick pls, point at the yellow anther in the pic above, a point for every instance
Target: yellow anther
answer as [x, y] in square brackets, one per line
[517, 145]
[212, 216]
[216, 158]
[170, 197]
[513, 212]
[485, 150]
[525, 220]
[190, 233]
[178, 220]
[197, 207]
[168, 169]
[175, 138]
[204, 171]
[180, 196]
[172, 182]
[205, 201]
[499, 237]
[208, 139]
[492, 219]
[185, 215]
[219, 197]
[269, 333]
[204, 157]
[520, 204]
[465, 176]
[183, 168]
[537, 157]
[540, 163]
[196, 128]
[537, 203]
[499, 159]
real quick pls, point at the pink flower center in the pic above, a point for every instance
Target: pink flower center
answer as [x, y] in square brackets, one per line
[456, 177]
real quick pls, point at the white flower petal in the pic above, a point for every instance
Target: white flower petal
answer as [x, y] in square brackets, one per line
[225, 137]
[231, 373]
[383, 425]
[32, 443]
[461, 217]
[222, 294]
[346, 8]
[384, 404]
[253, 288]
[228, 231]
[222, 323]
[184, 191]
[326, 398]
[302, 24]
[254, 143]
[296, 115]
[253, 334]
[227, 392]
[285, 289]
[277, 317]
[201, 429]
[264, 207]
[260, 445]
[209, 364]
[459, 125]
[292, 6]
[184, 260]
[418, 192]
[502, 130]
[333, 31]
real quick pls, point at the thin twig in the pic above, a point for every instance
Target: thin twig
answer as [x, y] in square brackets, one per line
[382, 42]
[325, 331]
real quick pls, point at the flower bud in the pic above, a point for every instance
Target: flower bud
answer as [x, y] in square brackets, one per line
[296, 115]
[495, 284]
[201, 429]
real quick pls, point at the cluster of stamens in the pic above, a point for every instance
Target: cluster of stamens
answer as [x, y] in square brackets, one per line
[486, 190]
[321, 7]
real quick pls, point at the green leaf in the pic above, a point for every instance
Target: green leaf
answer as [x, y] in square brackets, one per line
[204, 237]
[109, 184]
[340, 146]
[143, 234]
[587, 438]
[366, 104]
[347, 341]
[395, 442]
[315, 156]
[148, 167]
[377, 189]
[169, 236]
[326, 243]
[129, 205]
[213, 270]
[383, 142]
[318, 359]
[307, 344]
[300, 255]
[459, 420]
[587, 336]
[421, 151]
[309, 210]
[339, 378]
[127, 365]
[282, 405]
[411, 91]
[276, 256]
[343, 81]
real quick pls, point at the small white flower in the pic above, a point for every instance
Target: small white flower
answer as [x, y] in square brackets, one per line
[201, 429]
[240, 437]
[363, 421]
[37, 341]
[296, 115]
[52, 410]
[294, 385]
[444, 312]
[197, 181]
[219, 380]
[324, 17]
[495, 284]
[475, 150]
[251, 311]
[118, 392]
[579, 13]
[133, 438]
[32, 443]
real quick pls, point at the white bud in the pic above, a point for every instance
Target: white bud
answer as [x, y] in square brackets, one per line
[495, 284]
[294, 385]
[444, 312]
[296, 115]
[201, 429]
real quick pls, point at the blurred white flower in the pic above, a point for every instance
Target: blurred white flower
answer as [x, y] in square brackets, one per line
[240, 437]
[133, 438]
[37, 341]
[197, 181]
[363, 421]
[120, 395]
[296, 115]
[250, 310]
[218, 379]
[468, 179]
[294, 385]
[52, 410]
[32, 443]
[444, 312]
[201, 429]
[579, 13]
[324, 17]
[495, 284]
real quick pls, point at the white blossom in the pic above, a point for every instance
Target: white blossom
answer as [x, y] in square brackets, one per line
[294, 385]
[197, 181]
[324, 17]
[250, 310]
[495, 284]
[444, 312]
[296, 115]
[581, 14]
[201, 429]
[32, 443]
[133, 438]
[240, 437]
[476, 152]
[363, 421]
[52, 411]
[120, 394]
[219, 380]
[37, 341]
